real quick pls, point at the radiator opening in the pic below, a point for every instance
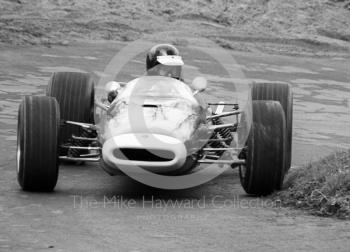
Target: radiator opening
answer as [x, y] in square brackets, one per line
[150, 155]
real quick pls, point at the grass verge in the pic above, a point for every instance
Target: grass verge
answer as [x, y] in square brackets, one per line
[322, 187]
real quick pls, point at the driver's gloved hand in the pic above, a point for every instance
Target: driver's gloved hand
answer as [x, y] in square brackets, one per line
[112, 95]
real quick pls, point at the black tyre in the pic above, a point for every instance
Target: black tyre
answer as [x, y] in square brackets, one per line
[265, 152]
[74, 93]
[281, 92]
[37, 143]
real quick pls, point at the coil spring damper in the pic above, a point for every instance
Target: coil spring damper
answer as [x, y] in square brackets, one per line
[224, 133]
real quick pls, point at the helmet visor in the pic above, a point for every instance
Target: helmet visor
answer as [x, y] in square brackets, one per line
[170, 60]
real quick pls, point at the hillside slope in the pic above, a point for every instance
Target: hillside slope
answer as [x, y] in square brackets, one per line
[59, 21]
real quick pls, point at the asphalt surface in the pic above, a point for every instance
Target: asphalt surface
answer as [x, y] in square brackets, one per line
[91, 211]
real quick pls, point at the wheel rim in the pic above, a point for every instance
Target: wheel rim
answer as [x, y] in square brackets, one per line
[18, 154]
[242, 171]
[18, 151]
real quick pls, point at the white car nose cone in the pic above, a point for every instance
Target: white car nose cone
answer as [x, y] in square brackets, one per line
[153, 152]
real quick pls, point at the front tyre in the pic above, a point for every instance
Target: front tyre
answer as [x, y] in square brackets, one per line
[37, 143]
[265, 149]
[281, 92]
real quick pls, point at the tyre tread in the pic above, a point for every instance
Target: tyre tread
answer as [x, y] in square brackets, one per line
[38, 130]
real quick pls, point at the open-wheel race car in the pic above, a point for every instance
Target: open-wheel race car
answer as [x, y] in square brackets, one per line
[154, 122]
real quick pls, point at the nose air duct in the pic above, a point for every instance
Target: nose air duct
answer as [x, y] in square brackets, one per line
[149, 151]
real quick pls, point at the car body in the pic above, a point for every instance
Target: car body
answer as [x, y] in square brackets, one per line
[160, 119]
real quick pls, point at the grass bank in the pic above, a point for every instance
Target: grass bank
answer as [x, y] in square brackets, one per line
[322, 187]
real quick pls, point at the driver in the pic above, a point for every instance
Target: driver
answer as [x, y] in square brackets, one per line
[164, 60]
[161, 60]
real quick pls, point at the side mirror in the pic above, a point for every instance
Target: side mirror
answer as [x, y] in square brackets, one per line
[112, 88]
[199, 84]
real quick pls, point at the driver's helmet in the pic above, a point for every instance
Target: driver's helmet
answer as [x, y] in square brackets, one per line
[164, 60]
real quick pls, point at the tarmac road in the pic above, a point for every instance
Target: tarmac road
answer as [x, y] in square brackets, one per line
[91, 211]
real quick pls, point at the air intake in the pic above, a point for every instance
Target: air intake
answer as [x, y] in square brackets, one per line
[150, 155]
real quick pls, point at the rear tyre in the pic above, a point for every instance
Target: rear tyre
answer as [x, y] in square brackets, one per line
[265, 152]
[283, 93]
[74, 93]
[37, 143]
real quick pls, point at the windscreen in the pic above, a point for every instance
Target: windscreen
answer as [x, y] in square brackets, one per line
[165, 70]
[157, 86]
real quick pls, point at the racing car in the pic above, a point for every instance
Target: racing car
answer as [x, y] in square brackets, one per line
[155, 122]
